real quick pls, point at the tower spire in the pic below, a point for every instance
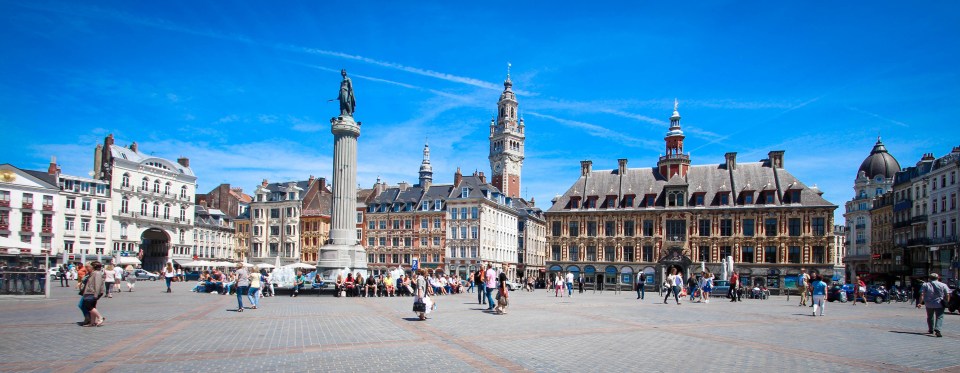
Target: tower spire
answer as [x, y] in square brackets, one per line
[426, 170]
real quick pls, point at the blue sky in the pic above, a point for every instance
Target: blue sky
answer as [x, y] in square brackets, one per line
[241, 87]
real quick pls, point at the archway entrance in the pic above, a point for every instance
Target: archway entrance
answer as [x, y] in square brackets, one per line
[154, 247]
[673, 258]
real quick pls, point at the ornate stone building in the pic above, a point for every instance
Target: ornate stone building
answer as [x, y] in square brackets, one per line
[507, 143]
[29, 203]
[874, 178]
[213, 235]
[315, 220]
[153, 203]
[884, 258]
[612, 224]
[275, 221]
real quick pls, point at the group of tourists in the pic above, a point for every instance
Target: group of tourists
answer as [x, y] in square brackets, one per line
[254, 284]
[386, 285]
[488, 282]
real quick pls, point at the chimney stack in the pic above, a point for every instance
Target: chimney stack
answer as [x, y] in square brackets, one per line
[264, 183]
[310, 181]
[107, 141]
[622, 166]
[483, 178]
[183, 161]
[457, 178]
[53, 169]
[776, 158]
[731, 158]
[134, 147]
[585, 167]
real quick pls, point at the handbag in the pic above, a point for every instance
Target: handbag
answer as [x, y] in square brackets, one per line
[83, 284]
[419, 305]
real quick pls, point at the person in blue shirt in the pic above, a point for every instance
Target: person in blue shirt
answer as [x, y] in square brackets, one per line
[819, 294]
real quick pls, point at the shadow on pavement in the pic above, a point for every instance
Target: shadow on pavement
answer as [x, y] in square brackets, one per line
[914, 333]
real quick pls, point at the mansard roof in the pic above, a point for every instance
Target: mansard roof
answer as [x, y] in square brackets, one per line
[134, 156]
[711, 180]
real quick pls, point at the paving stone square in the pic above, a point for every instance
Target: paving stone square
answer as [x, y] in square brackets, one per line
[149, 330]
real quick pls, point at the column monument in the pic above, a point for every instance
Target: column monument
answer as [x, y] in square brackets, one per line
[343, 250]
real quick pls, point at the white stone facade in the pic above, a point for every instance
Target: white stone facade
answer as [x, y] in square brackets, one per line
[85, 218]
[28, 209]
[214, 235]
[275, 222]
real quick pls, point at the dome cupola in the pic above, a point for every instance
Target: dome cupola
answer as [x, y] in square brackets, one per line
[879, 163]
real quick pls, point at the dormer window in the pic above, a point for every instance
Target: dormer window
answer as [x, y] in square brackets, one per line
[291, 196]
[650, 200]
[725, 199]
[698, 199]
[769, 197]
[610, 202]
[627, 201]
[438, 205]
[675, 198]
[591, 202]
[425, 205]
[465, 192]
[574, 202]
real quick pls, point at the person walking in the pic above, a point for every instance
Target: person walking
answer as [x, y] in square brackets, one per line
[423, 295]
[253, 293]
[692, 286]
[935, 296]
[859, 291]
[569, 284]
[93, 289]
[478, 279]
[490, 285]
[706, 286]
[62, 272]
[168, 275]
[819, 289]
[734, 292]
[118, 274]
[503, 296]
[802, 280]
[641, 282]
[672, 285]
[558, 286]
[109, 279]
[580, 281]
[243, 284]
[131, 278]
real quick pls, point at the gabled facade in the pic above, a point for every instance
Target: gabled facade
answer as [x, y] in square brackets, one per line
[612, 224]
[315, 220]
[29, 203]
[275, 214]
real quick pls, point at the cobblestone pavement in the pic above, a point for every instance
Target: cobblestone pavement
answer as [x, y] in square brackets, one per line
[149, 330]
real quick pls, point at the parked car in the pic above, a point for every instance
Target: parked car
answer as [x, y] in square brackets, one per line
[874, 294]
[191, 276]
[144, 275]
[512, 285]
[836, 292]
[720, 288]
[54, 273]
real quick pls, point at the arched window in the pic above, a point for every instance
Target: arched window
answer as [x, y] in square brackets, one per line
[145, 185]
[156, 209]
[124, 204]
[166, 211]
[143, 208]
[126, 180]
[156, 186]
[166, 188]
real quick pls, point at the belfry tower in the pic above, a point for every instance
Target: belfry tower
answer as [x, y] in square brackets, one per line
[674, 162]
[506, 142]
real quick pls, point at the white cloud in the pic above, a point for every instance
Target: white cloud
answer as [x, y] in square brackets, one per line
[601, 132]
[227, 119]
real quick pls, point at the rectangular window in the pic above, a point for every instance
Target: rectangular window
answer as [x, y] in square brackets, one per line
[628, 228]
[724, 199]
[770, 254]
[748, 229]
[85, 205]
[101, 226]
[453, 213]
[395, 241]
[474, 232]
[474, 213]
[698, 199]
[819, 227]
[819, 255]
[424, 223]
[383, 241]
[274, 230]
[726, 251]
[609, 228]
[628, 253]
[408, 224]
[647, 253]
[746, 254]
[71, 203]
[436, 241]
[793, 224]
[3, 221]
[591, 229]
[704, 253]
[627, 201]
[453, 233]
[573, 253]
[609, 253]
[84, 224]
[768, 196]
[793, 254]
[555, 252]
[726, 227]
[770, 227]
[407, 241]
[591, 253]
[383, 224]
[465, 192]
[463, 213]
[463, 232]
[556, 228]
[395, 258]
[648, 228]
[371, 225]
[704, 228]
[676, 230]
[651, 200]
[371, 241]
[574, 229]
[436, 223]
[275, 213]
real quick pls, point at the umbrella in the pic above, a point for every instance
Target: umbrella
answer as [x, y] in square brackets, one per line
[265, 265]
[222, 264]
[300, 265]
[128, 260]
[248, 265]
[197, 263]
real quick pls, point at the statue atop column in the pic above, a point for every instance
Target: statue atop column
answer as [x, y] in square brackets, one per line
[347, 101]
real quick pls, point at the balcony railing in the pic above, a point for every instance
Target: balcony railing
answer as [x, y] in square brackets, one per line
[26, 228]
[4, 227]
[918, 241]
[47, 207]
[5, 203]
[919, 219]
[943, 240]
[28, 205]
[46, 229]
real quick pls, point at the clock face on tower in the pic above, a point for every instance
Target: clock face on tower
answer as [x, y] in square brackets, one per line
[498, 168]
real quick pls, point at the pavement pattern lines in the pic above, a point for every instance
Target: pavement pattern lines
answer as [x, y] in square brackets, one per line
[185, 331]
